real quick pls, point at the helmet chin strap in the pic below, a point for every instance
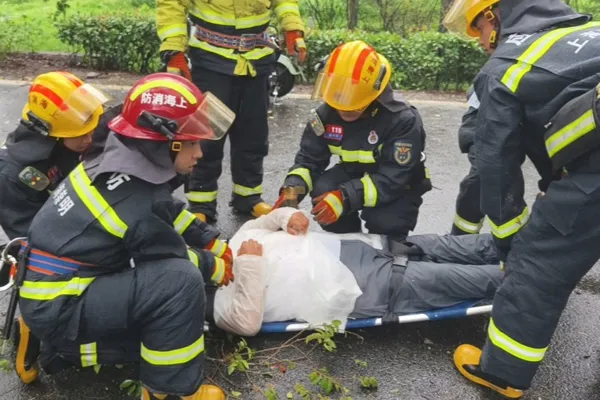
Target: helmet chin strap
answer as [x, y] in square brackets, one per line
[491, 17]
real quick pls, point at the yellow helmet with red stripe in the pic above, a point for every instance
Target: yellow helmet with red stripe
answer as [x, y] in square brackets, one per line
[353, 77]
[61, 105]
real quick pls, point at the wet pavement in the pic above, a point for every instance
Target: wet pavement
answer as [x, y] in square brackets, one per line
[412, 361]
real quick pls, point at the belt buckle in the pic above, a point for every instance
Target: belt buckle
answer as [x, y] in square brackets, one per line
[246, 38]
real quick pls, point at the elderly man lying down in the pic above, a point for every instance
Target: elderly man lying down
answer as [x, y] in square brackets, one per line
[284, 272]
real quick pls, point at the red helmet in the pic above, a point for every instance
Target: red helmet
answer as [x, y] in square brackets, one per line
[166, 106]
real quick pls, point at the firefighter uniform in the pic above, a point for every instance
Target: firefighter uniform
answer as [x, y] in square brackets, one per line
[231, 57]
[82, 298]
[33, 160]
[540, 45]
[468, 218]
[381, 165]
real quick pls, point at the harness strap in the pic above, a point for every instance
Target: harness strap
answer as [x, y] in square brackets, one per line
[49, 264]
[242, 43]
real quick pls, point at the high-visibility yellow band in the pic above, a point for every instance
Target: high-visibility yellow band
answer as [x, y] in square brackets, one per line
[219, 18]
[466, 226]
[201, 197]
[173, 357]
[303, 173]
[172, 30]
[218, 248]
[287, 8]
[359, 156]
[246, 191]
[511, 227]
[335, 204]
[570, 133]
[183, 221]
[51, 290]
[370, 191]
[193, 258]
[513, 76]
[89, 355]
[219, 271]
[514, 348]
[96, 204]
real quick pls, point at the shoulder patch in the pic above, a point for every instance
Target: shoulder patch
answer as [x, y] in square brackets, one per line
[316, 123]
[34, 179]
[402, 152]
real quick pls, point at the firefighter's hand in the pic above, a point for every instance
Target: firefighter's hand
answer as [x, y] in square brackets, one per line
[295, 45]
[251, 247]
[298, 224]
[223, 273]
[328, 207]
[286, 200]
[220, 249]
[176, 62]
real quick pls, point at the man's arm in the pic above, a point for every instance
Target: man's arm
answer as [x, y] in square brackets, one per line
[500, 152]
[400, 156]
[288, 15]
[171, 24]
[274, 221]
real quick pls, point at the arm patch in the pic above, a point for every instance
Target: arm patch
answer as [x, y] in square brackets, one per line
[316, 123]
[34, 179]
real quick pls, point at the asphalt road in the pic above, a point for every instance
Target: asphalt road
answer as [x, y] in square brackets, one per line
[412, 361]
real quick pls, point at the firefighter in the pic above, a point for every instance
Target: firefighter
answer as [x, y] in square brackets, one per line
[379, 139]
[230, 56]
[538, 94]
[81, 298]
[56, 127]
[468, 218]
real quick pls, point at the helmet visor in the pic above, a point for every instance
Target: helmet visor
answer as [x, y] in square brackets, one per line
[456, 20]
[78, 108]
[211, 120]
[344, 93]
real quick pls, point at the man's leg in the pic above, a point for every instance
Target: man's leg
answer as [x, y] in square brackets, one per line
[201, 187]
[331, 180]
[468, 218]
[395, 219]
[549, 256]
[467, 249]
[249, 138]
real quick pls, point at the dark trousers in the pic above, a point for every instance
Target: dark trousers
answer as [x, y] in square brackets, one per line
[248, 98]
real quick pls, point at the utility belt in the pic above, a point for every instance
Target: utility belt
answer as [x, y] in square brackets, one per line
[49, 264]
[242, 43]
[574, 130]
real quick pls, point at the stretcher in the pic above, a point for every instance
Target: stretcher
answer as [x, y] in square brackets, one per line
[461, 310]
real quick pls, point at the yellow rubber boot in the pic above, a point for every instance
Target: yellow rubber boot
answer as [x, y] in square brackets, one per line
[200, 216]
[28, 350]
[206, 392]
[466, 355]
[261, 209]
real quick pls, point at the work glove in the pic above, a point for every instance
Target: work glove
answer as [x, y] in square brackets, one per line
[222, 272]
[220, 249]
[288, 196]
[296, 45]
[329, 207]
[176, 62]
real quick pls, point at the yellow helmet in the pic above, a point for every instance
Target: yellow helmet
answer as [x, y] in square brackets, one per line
[461, 16]
[61, 105]
[353, 77]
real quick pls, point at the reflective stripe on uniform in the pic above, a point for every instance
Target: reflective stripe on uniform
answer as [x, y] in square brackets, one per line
[172, 30]
[219, 271]
[511, 227]
[303, 173]
[514, 348]
[246, 191]
[96, 204]
[89, 355]
[218, 18]
[466, 226]
[287, 8]
[359, 156]
[193, 258]
[201, 197]
[512, 77]
[173, 357]
[370, 191]
[567, 135]
[183, 221]
[335, 204]
[51, 290]
[218, 248]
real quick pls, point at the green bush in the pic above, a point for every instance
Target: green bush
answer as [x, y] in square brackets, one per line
[422, 61]
[126, 42]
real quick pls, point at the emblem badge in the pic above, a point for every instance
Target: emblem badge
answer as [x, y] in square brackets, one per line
[373, 138]
[402, 152]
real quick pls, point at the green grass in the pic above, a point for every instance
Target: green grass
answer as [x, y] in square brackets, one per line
[29, 24]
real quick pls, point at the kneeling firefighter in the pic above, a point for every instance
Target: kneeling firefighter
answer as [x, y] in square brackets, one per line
[79, 295]
[379, 139]
[537, 45]
[58, 122]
